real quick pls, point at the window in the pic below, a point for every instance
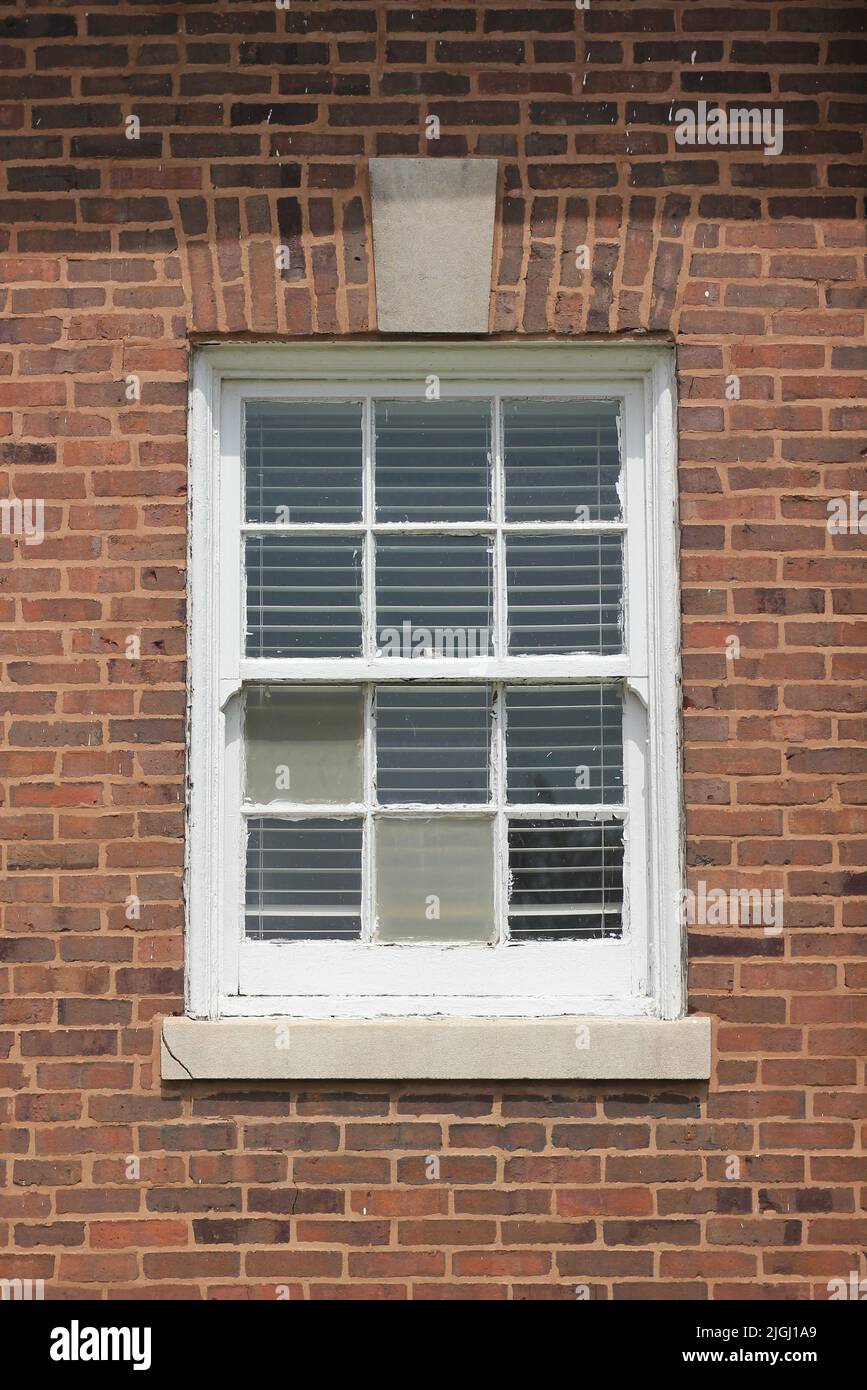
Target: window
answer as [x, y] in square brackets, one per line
[434, 762]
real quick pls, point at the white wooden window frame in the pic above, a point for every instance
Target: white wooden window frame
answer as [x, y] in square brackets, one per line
[639, 974]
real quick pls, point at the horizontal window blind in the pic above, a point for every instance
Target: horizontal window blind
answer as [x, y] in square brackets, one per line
[433, 743]
[565, 879]
[562, 460]
[303, 596]
[565, 743]
[564, 594]
[303, 461]
[433, 595]
[303, 879]
[433, 460]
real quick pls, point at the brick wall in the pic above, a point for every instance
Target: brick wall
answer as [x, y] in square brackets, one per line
[115, 254]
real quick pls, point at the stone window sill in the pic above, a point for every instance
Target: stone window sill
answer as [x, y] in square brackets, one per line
[545, 1049]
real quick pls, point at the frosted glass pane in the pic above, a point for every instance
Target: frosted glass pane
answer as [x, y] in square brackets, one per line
[304, 744]
[435, 878]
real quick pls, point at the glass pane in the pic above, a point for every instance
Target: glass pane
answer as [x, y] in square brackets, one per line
[435, 878]
[565, 879]
[303, 879]
[303, 596]
[564, 743]
[433, 596]
[304, 744]
[564, 594]
[562, 460]
[432, 460]
[433, 743]
[302, 461]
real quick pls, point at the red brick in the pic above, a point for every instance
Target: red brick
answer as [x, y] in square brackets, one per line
[121, 254]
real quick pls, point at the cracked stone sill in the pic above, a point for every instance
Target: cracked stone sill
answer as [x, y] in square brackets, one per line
[547, 1049]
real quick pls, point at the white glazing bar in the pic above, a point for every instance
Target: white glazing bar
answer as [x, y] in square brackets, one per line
[368, 596]
[445, 528]
[369, 772]
[571, 669]
[368, 600]
[300, 810]
[498, 500]
[501, 828]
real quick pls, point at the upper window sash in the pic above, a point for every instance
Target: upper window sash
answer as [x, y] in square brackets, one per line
[632, 663]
